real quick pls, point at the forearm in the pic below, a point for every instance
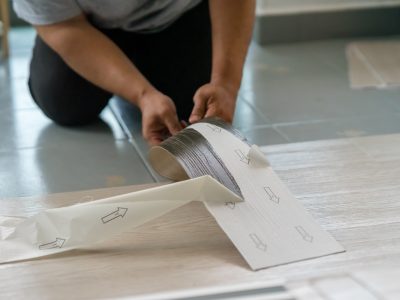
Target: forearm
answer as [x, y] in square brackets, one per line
[232, 25]
[95, 57]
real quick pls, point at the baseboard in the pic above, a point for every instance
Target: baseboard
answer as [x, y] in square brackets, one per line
[305, 26]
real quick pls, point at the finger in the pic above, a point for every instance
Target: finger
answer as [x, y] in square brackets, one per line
[214, 113]
[173, 124]
[184, 124]
[211, 112]
[200, 105]
[154, 140]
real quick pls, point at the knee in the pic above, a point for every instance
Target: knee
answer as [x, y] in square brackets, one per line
[64, 96]
[68, 108]
[72, 119]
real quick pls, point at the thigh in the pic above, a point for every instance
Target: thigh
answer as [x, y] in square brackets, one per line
[177, 60]
[63, 95]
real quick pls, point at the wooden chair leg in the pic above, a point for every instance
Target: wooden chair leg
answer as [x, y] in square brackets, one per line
[5, 18]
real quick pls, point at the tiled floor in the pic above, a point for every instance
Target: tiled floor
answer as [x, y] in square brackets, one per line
[290, 93]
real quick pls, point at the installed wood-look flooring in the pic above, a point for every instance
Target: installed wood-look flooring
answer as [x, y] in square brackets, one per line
[350, 186]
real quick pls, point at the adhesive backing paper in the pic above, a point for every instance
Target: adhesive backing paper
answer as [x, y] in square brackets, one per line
[61, 229]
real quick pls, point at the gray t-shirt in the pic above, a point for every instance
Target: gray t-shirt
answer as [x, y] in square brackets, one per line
[130, 15]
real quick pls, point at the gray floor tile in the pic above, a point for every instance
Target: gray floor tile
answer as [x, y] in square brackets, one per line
[131, 118]
[332, 52]
[352, 127]
[19, 66]
[364, 126]
[290, 83]
[30, 129]
[300, 132]
[4, 79]
[63, 167]
[15, 95]
[246, 116]
[21, 40]
[264, 136]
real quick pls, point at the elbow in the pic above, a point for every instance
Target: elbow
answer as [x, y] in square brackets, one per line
[62, 37]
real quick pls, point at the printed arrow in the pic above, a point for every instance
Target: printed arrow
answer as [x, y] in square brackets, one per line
[231, 205]
[214, 128]
[258, 242]
[271, 195]
[304, 234]
[120, 212]
[242, 157]
[58, 243]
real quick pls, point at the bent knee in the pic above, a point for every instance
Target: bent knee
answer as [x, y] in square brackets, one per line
[66, 107]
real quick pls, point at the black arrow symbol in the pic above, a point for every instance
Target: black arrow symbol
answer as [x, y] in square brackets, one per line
[242, 157]
[258, 242]
[271, 195]
[120, 212]
[58, 243]
[304, 234]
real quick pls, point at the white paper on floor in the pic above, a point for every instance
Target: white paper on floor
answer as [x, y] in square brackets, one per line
[374, 64]
[270, 227]
[62, 229]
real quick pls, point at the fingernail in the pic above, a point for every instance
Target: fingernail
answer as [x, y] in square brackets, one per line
[184, 123]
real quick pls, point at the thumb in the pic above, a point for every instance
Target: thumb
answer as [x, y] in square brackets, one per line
[200, 106]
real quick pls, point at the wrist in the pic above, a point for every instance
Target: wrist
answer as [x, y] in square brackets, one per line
[231, 85]
[139, 93]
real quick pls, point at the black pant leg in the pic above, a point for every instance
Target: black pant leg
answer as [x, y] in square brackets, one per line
[63, 95]
[177, 60]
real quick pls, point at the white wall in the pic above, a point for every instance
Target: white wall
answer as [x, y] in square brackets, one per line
[298, 6]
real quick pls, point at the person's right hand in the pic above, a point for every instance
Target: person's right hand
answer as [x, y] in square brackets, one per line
[159, 118]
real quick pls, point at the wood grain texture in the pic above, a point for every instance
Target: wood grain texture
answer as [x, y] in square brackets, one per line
[350, 186]
[5, 19]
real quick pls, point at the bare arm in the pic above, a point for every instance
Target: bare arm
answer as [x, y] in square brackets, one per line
[232, 25]
[96, 58]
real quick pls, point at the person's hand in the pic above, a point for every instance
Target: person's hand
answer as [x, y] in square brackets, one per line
[214, 100]
[159, 118]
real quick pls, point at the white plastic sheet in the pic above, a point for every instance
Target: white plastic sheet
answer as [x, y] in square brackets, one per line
[62, 229]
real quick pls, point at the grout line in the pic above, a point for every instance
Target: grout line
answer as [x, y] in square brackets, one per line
[253, 108]
[369, 66]
[286, 137]
[364, 117]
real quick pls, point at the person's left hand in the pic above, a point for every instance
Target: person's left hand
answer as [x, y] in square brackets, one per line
[214, 100]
